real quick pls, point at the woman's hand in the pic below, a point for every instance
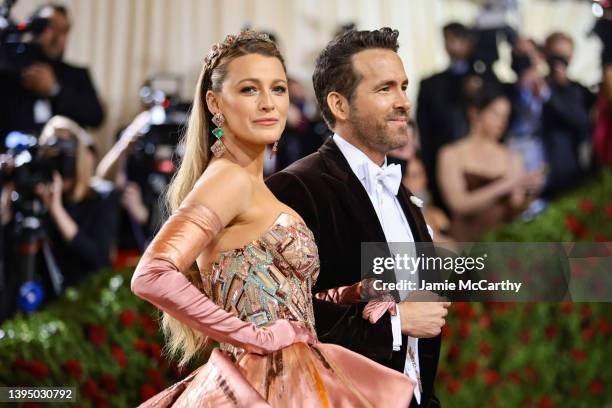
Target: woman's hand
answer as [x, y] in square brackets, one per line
[280, 334]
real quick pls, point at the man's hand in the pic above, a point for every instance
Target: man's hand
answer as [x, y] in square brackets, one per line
[39, 78]
[421, 318]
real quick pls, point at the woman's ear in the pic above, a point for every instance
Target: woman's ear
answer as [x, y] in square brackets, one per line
[338, 105]
[212, 102]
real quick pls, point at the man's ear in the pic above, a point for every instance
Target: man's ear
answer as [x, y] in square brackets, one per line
[212, 102]
[339, 105]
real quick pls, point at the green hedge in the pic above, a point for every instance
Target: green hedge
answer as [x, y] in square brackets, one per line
[539, 354]
[99, 338]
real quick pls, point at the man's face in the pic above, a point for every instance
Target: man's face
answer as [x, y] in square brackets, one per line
[379, 108]
[458, 48]
[53, 39]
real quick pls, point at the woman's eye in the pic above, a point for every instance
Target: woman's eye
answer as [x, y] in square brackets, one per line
[279, 89]
[248, 90]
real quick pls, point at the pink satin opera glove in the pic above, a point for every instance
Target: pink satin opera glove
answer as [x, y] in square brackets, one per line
[158, 279]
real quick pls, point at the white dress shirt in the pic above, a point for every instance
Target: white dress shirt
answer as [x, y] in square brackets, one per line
[396, 229]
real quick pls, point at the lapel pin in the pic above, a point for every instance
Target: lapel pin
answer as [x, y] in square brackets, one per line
[416, 201]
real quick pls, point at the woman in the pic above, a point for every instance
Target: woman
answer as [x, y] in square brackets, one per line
[256, 260]
[482, 181]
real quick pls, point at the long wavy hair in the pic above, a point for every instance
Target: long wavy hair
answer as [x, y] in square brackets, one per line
[182, 340]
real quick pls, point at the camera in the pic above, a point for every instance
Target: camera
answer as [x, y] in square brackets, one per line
[17, 48]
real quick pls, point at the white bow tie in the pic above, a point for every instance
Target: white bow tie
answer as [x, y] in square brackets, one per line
[390, 177]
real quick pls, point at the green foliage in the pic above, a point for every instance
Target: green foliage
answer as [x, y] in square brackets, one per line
[536, 354]
[99, 338]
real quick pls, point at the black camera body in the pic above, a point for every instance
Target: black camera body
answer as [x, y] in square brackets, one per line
[35, 164]
[17, 48]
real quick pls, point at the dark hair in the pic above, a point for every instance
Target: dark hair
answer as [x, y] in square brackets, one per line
[457, 30]
[334, 68]
[488, 94]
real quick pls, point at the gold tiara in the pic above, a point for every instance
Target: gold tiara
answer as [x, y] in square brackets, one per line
[231, 41]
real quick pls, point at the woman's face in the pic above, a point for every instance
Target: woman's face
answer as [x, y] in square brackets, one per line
[493, 120]
[87, 156]
[416, 179]
[254, 99]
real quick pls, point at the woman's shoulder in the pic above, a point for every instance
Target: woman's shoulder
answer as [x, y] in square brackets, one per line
[224, 173]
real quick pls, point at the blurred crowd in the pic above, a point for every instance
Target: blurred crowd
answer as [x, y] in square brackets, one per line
[483, 152]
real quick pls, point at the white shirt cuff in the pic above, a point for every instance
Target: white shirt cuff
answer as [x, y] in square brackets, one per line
[396, 329]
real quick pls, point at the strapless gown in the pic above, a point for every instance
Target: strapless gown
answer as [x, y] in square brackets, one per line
[271, 278]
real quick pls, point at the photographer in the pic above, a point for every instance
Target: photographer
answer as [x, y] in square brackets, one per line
[47, 86]
[566, 119]
[80, 220]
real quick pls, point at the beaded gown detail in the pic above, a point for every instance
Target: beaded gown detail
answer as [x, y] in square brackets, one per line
[271, 278]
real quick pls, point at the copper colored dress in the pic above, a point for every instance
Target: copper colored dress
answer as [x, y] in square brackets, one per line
[268, 279]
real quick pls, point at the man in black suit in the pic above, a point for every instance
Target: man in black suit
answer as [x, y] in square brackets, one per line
[441, 113]
[48, 86]
[347, 195]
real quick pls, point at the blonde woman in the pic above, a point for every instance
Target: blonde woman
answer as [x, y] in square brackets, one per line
[236, 265]
[79, 216]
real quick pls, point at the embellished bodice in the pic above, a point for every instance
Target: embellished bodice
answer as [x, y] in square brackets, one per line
[269, 278]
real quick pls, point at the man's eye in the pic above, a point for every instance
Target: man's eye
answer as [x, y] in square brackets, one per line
[384, 89]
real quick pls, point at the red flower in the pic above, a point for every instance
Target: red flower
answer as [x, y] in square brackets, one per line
[485, 349]
[447, 331]
[155, 377]
[119, 355]
[127, 318]
[90, 388]
[604, 326]
[453, 386]
[491, 377]
[546, 402]
[578, 354]
[470, 369]
[73, 368]
[97, 335]
[586, 206]
[485, 321]
[525, 336]
[596, 387]
[147, 391]
[464, 310]
[515, 377]
[464, 328]
[20, 364]
[551, 331]
[100, 401]
[586, 311]
[38, 369]
[108, 382]
[587, 333]
[599, 237]
[575, 226]
[567, 307]
[609, 210]
[531, 374]
[453, 351]
[148, 324]
[155, 350]
[140, 344]
[442, 375]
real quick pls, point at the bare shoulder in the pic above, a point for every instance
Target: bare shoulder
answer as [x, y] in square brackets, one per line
[224, 187]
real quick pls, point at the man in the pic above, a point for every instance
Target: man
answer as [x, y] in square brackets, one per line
[441, 115]
[49, 86]
[566, 120]
[344, 195]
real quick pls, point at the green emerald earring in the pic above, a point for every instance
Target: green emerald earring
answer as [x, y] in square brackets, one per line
[218, 148]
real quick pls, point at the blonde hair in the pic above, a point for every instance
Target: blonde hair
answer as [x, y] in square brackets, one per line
[84, 169]
[182, 340]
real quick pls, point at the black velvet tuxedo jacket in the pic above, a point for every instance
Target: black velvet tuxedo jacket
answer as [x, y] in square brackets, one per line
[323, 189]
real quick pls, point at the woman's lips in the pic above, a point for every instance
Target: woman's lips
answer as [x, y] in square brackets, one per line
[266, 122]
